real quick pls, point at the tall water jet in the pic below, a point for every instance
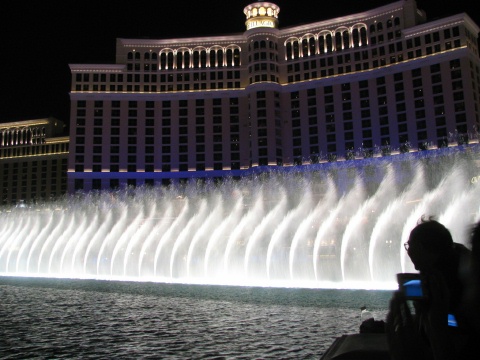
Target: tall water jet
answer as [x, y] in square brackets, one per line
[390, 222]
[334, 224]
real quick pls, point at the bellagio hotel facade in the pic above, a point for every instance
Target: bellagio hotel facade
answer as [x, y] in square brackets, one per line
[369, 84]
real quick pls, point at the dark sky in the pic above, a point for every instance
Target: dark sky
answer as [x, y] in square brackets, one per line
[40, 38]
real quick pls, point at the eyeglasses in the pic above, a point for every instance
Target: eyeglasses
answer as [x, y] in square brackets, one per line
[406, 246]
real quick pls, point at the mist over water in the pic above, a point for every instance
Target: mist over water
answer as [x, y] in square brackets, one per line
[328, 225]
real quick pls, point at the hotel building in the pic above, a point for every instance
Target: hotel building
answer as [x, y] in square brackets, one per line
[361, 85]
[33, 161]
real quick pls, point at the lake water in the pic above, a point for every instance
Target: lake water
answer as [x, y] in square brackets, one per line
[81, 319]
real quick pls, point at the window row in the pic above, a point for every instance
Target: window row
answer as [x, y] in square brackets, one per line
[326, 41]
[199, 58]
[25, 136]
[43, 149]
[154, 78]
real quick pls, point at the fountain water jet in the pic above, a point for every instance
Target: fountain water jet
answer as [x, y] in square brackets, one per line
[318, 226]
[218, 243]
[390, 222]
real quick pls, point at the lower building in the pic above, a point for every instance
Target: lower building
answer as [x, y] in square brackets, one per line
[33, 161]
[381, 81]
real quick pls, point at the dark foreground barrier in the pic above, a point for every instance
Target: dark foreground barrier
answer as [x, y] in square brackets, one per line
[358, 347]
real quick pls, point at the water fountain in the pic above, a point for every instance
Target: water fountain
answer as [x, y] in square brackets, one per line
[338, 224]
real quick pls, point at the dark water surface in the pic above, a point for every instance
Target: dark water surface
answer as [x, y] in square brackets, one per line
[79, 319]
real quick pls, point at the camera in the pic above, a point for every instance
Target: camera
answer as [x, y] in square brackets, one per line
[411, 286]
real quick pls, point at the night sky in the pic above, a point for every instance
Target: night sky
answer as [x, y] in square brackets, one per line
[40, 39]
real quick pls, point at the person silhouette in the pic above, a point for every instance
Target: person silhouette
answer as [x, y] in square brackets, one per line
[471, 295]
[443, 266]
[435, 255]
